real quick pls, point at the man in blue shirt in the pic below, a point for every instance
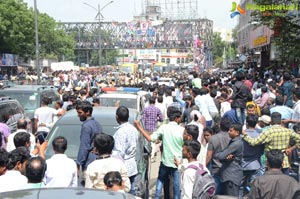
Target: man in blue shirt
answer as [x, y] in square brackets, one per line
[285, 111]
[231, 114]
[90, 127]
[251, 154]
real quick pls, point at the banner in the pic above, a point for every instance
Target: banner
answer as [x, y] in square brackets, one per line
[8, 60]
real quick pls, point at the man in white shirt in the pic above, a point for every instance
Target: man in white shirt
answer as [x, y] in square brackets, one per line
[159, 104]
[200, 101]
[21, 127]
[61, 170]
[126, 138]
[44, 119]
[191, 149]
[14, 178]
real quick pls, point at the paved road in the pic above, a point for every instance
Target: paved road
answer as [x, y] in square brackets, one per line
[153, 175]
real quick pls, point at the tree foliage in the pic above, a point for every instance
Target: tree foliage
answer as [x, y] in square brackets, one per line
[285, 25]
[17, 32]
[16, 28]
[219, 46]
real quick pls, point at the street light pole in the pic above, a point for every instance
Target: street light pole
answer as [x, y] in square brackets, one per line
[99, 15]
[37, 42]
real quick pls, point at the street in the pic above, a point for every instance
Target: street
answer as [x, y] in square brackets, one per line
[153, 175]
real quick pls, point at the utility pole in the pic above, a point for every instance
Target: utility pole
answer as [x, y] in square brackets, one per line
[100, 47]
[99, 15]
[37, 52]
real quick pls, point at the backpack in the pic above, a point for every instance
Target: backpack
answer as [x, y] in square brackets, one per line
[204, 185]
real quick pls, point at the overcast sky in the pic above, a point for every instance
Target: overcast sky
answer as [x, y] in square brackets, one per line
[123, 10]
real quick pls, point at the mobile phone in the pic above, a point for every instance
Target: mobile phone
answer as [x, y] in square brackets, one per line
[41, 138]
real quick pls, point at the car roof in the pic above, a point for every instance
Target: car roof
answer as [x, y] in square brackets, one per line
[29, 88]
[101, 114]
[66, 193]
[106, 116]
[118, 95]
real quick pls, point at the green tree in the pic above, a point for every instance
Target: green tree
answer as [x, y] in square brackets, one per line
[16, 28]
[285, 25]
[54, 42]
[218, 49]
[17, 34]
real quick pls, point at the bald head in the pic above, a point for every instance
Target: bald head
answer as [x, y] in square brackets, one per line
[35, 169]
[22, 124]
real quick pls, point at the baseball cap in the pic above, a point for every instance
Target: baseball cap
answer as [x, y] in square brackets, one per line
[265, 119]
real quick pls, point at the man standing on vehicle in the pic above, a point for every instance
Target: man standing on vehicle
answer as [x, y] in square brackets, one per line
[90, 127]
[126, 138]
[44, 119]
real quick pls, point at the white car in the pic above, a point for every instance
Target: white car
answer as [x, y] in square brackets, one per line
[166, 81]
[137, 101]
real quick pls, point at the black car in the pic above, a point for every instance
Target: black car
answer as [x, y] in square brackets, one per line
[66, 193]
[69, 126]
[30, 96]
[10, 112]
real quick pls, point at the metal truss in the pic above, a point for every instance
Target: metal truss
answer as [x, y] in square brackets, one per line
[175, 9]
[168, 34]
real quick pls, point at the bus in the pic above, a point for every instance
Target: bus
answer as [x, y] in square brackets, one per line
[159, 67]
[145, 68]
[129, 68]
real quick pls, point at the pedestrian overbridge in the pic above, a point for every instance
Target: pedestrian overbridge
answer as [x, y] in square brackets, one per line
[168, 34]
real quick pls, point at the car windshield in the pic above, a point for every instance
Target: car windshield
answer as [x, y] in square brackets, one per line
[72, 134]
[116, 102]
[27, 100]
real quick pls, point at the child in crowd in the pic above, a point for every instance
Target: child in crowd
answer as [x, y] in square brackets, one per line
[190, 151]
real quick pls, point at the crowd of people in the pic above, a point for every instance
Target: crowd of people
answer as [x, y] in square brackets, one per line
[241, 128]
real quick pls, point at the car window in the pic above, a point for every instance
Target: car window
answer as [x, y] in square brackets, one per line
[72, 134]
[28, 100]
[116, 102]
[15, 113]
[4, 113]
[52, 95]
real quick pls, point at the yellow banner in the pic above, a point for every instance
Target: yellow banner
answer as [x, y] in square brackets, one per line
[260, 40]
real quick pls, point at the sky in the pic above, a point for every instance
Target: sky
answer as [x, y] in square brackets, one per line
[124, 10]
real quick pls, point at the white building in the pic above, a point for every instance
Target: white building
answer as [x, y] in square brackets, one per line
[226, 34]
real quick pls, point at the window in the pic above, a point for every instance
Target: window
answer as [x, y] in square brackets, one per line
[52, 96]
[163, 60]
[178, 61]
[4, 113]
[168, 60]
